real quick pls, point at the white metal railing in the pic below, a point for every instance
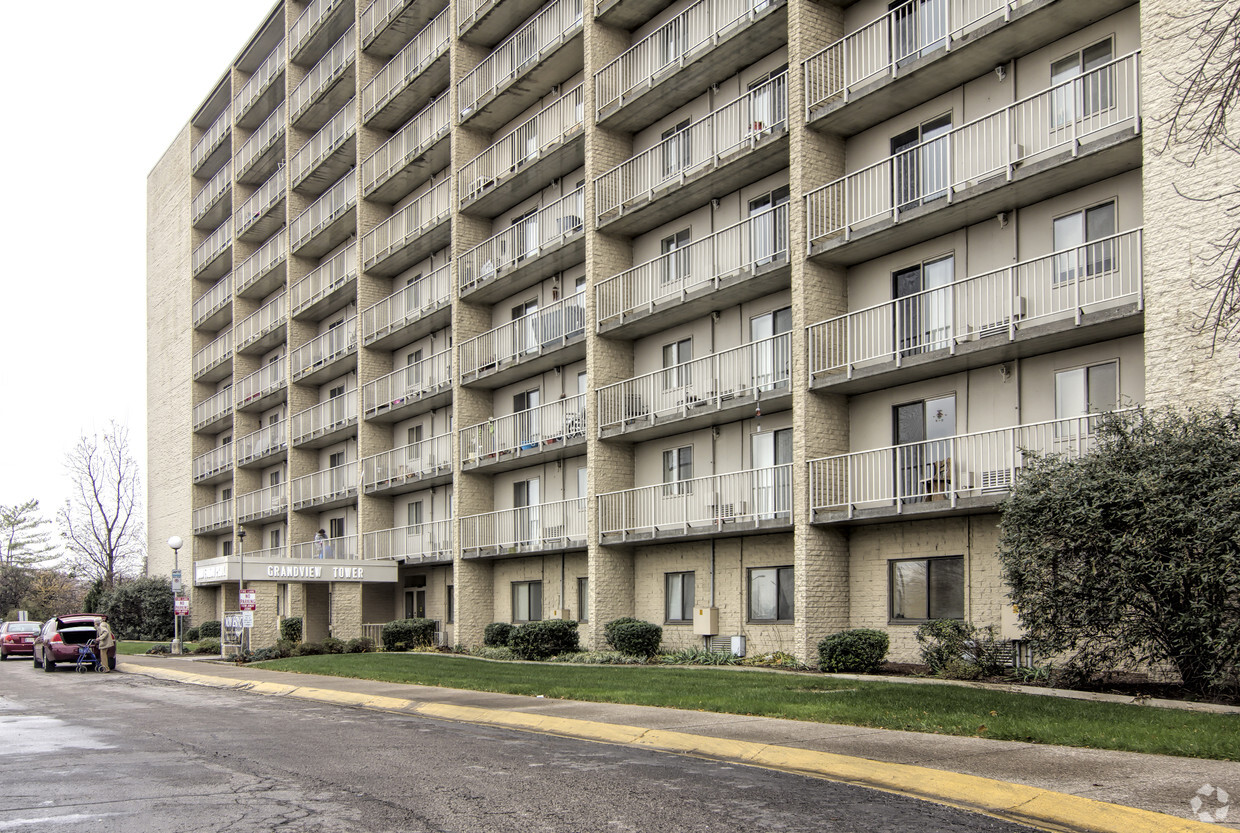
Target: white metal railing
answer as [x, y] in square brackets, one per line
[337, 548]
[267, 379]
[523, 144]
[759, 240]
[267, 257]
[325, 417]
[376, 16]
[530, 335]
[422, 378]
[878, 50]
[262, 321]
[325, 278]
[410, 462]
[527, 528]
[322, 75]
[407, 223]
[269, 439]
[699, 385]
[430, 541]
[215, 245]
[520, 52]
[411, 141]
[335, 201]
[700, 504]
[213, 300]
[211, 192]
[534, 235]
[966, 465]
[706, 143]
[210, 140]
[1100, 101]
[212, 408]
[322, 486]
[308, 21]
[213, 517]
[214, 354]
[324, 143]
[260, 202]
[262, 503]
[698, 28]
[426, 47]
[550, 424]
[1058, 286]
[258, 83]
[408, 304]
[325, 348]
[262, 139]
[213, 462]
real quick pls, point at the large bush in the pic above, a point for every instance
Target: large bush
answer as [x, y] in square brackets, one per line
[140, 608]
[209, 629]
[207, 646]
[406, 634]
[290, 628]
[191, 635]
[635, 638]
[957, 649]
[497, 634]
[858, 651]
[332, 645]
[610, 628]
[539, 640]
[360, 645]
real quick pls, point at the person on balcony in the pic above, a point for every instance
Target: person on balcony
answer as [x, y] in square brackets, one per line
[320, 543]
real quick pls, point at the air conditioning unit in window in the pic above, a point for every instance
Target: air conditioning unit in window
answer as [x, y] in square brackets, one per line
[1000, 327]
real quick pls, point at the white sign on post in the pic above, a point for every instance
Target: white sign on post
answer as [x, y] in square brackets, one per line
[247, 618]
[181, 606]
[176, 581]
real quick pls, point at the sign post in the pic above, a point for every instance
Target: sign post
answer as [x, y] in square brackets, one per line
[248, 604]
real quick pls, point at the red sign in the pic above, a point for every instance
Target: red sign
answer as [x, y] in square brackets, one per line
[181, 607]
[249, 600]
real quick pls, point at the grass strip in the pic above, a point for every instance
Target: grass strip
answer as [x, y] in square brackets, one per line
[132, 647]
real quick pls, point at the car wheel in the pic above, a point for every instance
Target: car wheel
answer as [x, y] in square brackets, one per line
[111, 663]
[34, 657]
[48, 665]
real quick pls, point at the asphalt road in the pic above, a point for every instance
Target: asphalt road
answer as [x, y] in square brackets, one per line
[130, 754]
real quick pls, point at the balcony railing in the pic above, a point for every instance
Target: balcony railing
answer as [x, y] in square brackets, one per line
[325, 348]
[698, 386]
[525, 431]
[324, 279]
[411, 141]
[258, 83]
[214, 354]
[403, 227]
[376, 16]
[336, 548]
[426, 47]
[268, 256]
[267, 318]
[213, 408]
[309, 20]
[1059, 118]
[409, 384]
[212, 518]
[323, 144]
[524, 242]
[263, 503]
[525, 144]
[322, 212]
[409, 463]
[214, 462]
[332, 484]
[430, 541]
[1060, 286]
[559, 525]
[211, 248]
[705, 144]
[720, 502]
[948, 470]
[213, 300]
[324, 418]
[206, 199]
[262, 382]
[260, 202]
[265, 441]
[211, 140]
[530, 335]
[757, 241]
[322, 75]
[520, 52]
[408, 304]
[262, 139]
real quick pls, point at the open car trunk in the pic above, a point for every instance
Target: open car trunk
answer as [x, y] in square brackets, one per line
[78, 634]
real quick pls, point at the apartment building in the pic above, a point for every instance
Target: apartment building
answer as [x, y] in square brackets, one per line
[738, 316]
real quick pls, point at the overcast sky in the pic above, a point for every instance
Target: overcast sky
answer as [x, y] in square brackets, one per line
[93, 93]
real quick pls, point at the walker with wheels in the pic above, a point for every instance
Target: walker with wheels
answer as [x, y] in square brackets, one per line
[87, 658]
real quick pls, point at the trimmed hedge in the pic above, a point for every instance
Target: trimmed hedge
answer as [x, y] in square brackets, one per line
[858, 651]
[307, 649]
[290, 628]
[497, 635]
[539, 640]
[332, 645]
[360, 645]
[635, 639]
[208, 629]
[191, 635]
[611, 626]
[404, 634]
[207, 646]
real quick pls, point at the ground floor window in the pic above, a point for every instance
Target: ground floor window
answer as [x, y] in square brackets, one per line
[927, 588]
[583, 600]
[771, 594]
[526, 601]
[679, 597]
[451, 605]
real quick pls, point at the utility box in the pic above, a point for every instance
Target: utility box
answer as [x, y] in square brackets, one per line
[1009, 623]
[561, 613]
[738, 646]
[705, 621]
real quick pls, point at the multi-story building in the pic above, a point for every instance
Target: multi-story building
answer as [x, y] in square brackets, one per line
[738, 316]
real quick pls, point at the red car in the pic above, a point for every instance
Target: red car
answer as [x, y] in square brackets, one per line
[17, 638]
[60, 638]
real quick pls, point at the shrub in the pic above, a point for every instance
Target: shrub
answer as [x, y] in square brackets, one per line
[139, 608]
[497, 635]
[957, 649]
[598, 658]
[207, 646]
[209, 629]
[539, 640]
[307, 649]
[270, 652]
[159, 649]
[360, 645]
[858, 651]
[700, 656]
[499, 652]
[191, 635]
[611, 626]
[775, 659]
[404, 634]
[332, 645]
[637, 639]
[290, 628]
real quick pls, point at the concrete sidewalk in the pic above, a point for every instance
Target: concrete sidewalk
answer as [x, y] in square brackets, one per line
[1051, 787]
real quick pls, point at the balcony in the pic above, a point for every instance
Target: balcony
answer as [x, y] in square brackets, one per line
[960, 475]
[256, 448]
[749, 502]
[214, 202]
[263, 388]
[1080, 131]
[548, 432]
[735, 264]
[722, 387]
[419, 387]
[738, 144]
[707, 43]
[1077, 296]
[340, 549]
[213, 412]
[261, 154]
[520, 256]
[214, 362]
[326, 489]
[326, 355]
[547, 146]
[259, 94]
[627, 14]
[213, 308]
[263, 329]
[214, 518]
[263, 504]
[544, 52]
[414, 466]
[322, 22]
[326, 422]
[326, 286]
[262, 272]
[411, 312]
[416, 152]
[211, 150]
[487, 22]
[410, 234]
[547, 528]
[329, 221]
[328, 155]
[387, 25]
[215, 466]
[411, 79]
[427, 543]
[536, 342]
[326, 87]
[213, 257]
[920, 50]
[264, 212]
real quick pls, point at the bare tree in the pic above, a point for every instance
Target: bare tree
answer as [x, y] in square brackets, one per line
[23, 536]
[102, 523]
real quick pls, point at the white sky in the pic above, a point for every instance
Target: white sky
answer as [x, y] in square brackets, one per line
[93, 93]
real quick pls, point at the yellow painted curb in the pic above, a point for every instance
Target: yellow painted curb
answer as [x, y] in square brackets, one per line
[1033, 806]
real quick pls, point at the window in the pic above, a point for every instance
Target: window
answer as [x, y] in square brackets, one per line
[273, 479]
[1086, 390]
[273, 539]
[679, 597]
[920, 163]
[1083, 243]
[451, 604]
[675, 258]
[335, 460]
[676, 357]
[525, 228]
[765, 106]
[676, 157]
[413, 293]
[336, 392]
[227, 548]
[281, 601]
[335, 527]
[414, 435]
[923, 307]
[768, 229]
[526, 601]
[677, 469]
[415, 513]
[770, 594]
[583, 600]
[1091, 93]
[927, 588]
[225, 494]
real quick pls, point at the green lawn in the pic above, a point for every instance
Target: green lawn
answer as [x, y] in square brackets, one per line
[128, 647]
[949, 710]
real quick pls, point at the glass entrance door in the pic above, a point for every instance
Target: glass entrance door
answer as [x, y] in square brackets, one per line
[772, 484]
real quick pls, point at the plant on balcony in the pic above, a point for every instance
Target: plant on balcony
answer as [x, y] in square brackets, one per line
[634, 637]
[858, 651]
[407, 634]
[540, 640]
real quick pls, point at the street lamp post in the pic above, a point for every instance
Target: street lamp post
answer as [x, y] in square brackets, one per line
[176, 543]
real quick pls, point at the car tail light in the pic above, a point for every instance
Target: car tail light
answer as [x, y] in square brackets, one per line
[56, 638]
[8, 637]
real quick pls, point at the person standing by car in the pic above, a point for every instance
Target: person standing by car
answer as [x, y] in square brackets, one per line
[105, 641]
